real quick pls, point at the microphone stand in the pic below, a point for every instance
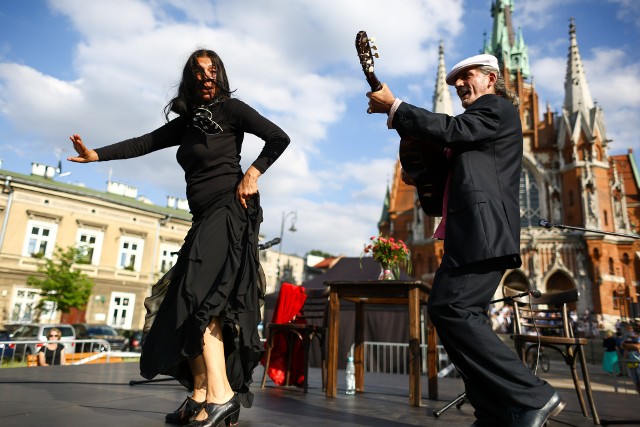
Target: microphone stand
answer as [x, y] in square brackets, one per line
[546, 224]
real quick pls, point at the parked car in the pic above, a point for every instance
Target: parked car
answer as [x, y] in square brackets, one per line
[6, 350]
[104, 332]
[134, 341]
[40, 332]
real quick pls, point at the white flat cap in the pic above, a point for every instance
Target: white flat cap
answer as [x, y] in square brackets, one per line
[474, 61]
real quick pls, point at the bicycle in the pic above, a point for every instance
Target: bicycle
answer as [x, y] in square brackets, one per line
[534, 358]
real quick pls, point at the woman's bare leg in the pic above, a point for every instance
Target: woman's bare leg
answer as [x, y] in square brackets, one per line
[218, 387]
[199, 373]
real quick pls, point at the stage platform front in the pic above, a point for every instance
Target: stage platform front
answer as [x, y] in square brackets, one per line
[101, 395]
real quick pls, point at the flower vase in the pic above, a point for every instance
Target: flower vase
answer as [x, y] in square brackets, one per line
[386, 272]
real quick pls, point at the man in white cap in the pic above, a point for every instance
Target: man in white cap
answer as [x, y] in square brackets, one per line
[481, 232]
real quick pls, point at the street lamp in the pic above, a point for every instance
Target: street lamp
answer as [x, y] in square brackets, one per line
[294, 217]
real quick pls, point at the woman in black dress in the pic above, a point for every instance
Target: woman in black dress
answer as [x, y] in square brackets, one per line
[53, 352]
[205, 332]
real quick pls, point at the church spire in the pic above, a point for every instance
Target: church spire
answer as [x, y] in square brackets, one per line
[442, 94]
[511, 51]
[385, 217]
[576, 90]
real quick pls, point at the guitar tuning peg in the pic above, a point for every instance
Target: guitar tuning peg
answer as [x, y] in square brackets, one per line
[374, 47]
[376, 55]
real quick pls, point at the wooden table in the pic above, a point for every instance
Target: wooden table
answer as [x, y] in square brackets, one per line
[410, 293]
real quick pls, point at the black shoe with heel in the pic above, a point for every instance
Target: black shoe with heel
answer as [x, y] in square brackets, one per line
[232, 420]
[218, 412]
[185, 413]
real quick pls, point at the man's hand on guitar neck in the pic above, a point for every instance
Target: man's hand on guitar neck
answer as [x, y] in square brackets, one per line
[380, 101]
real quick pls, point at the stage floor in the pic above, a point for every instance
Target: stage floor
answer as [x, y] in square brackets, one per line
[100, 395]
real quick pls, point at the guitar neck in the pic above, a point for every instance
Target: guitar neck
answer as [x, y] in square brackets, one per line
[373, 81]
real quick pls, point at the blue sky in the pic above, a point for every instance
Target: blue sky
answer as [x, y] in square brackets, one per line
[106, 68]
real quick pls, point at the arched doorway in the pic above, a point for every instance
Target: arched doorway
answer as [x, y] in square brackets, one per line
[560, 281]
[516, 280]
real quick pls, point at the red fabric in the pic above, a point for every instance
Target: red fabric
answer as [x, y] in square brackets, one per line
[288, 306]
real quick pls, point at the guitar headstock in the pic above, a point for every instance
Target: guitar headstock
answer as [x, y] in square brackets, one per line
[365, 49]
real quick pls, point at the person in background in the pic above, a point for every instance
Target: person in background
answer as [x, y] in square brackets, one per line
[632, 359]
[205, 332]
[52, 353]
[610, 356]
[481, 231]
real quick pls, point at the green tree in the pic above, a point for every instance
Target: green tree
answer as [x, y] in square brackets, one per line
[60, 283]
[318, 252]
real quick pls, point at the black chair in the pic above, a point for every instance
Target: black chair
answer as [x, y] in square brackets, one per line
[309, 324]
[547, 317]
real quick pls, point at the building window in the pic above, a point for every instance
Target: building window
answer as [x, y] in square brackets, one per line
[606, 218]
[616, 300]
[529, 199]
[40, 239]
[130, 257]
[121, 310]
[611, 270]
[24, 305]
[167, 259]
[89, 244]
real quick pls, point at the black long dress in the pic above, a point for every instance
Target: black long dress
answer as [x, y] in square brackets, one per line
[217, 271]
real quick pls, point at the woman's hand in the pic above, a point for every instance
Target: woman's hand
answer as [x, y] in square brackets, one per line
[248, 186]
[85, 155]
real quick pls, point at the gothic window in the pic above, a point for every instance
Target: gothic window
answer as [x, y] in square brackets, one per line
[611, 271]
[616, 300]
[529, 199]
[606, 218]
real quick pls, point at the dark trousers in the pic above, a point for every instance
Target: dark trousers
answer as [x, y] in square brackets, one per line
[495, 379]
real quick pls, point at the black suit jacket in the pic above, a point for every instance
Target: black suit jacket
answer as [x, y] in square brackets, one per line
[483, 215]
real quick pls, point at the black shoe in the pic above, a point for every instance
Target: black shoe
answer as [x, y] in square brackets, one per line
[185, 413]
[217, 413]
[232, 420]
[532, 417]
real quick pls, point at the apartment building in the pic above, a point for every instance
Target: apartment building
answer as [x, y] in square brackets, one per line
[127, 244]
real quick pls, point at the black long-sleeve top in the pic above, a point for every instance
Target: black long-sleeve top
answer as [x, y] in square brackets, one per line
[211, 162]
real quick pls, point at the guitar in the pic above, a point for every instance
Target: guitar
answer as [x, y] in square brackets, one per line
[423, 161]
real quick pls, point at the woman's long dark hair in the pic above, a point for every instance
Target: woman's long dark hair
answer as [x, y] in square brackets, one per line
[189, 89]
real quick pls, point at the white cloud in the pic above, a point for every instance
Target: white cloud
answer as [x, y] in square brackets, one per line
[537, 14]
[629, 11]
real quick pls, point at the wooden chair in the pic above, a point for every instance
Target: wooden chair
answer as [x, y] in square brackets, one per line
[309, 324]
[547, 317]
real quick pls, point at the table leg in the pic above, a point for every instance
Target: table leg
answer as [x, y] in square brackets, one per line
[432, 360]
[332, 344]
[414, 347]
[359, 347]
